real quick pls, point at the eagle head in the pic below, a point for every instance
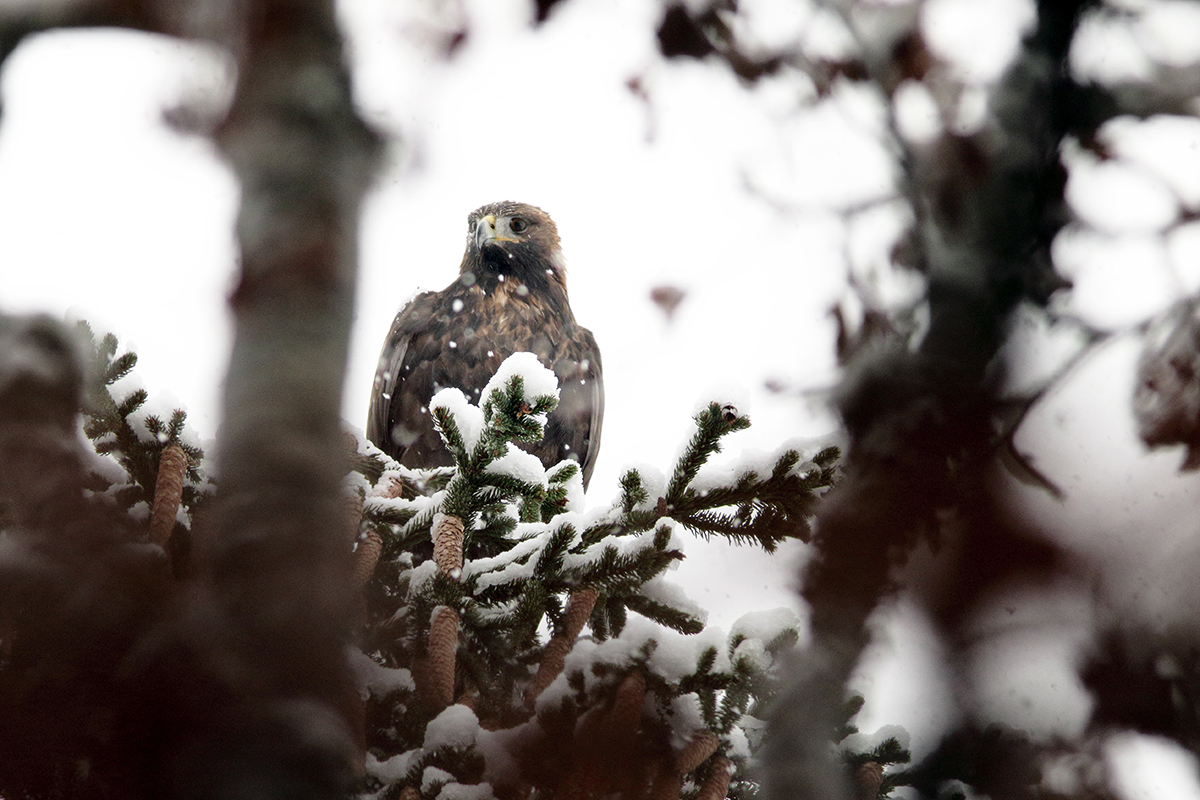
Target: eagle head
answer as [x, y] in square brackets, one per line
[515, 241]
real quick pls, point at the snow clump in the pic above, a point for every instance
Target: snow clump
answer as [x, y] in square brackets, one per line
[538, 380]
[469, 418]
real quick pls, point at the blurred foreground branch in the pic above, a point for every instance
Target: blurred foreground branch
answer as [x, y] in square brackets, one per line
[987, 206]
[236, 684]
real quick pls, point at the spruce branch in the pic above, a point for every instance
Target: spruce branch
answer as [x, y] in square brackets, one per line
[527, 559]
[139, 447]
[633, 492]
[711, 424]
[664, 614]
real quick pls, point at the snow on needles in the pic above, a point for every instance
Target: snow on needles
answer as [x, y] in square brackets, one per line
[660, 590]
[766, 625]
[520, 466]
[374, 678]
[457, 726]
[538, 380]
[727, 471]
[469, 418]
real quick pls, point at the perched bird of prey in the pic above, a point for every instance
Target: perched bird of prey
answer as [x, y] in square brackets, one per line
[510, 296]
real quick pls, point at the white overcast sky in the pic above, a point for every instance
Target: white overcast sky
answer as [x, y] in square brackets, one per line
[108, 214]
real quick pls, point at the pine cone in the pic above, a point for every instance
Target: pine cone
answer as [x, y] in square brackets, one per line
[469, 698]
[448, 545]
[168, 492]
[554, 656]
[626, 713]
[667, 784]
[443, 649]
[717, 785]
[394, 489]
[354, 512]
[867, 779]
[579, 610]
[366, 556]
[697, 751]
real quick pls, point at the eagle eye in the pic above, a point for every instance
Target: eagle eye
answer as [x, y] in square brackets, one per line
[518, 224]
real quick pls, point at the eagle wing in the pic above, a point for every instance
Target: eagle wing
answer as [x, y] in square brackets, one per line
[386, 399]
[573, 429]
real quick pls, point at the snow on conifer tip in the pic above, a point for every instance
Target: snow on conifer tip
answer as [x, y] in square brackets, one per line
[520, 466]
[456, 726]
[537, 379]
[463, 791]
[468, 417]
[375, 679]
[766, 625]
[660, 590]
[726, 471]
[866, 742]
[392, 769]
[432, 776]
[686, 719]
[676, 654]
[739, 743]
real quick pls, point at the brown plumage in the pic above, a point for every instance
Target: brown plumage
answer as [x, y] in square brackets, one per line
[510, 296]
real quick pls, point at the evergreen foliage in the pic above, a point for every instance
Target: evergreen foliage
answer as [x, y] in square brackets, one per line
[530, 546]
[119, 427]
[887, 753]
[647, 695]
[128, 442]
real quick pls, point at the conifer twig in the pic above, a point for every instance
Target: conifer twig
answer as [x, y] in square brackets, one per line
[168, 493]
[578, 611]
[409, 793]
[443, 647]
[711, 424]
[696, 751]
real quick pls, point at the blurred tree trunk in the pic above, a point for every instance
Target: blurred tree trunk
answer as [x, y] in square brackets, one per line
[276, 562]
[266, 707]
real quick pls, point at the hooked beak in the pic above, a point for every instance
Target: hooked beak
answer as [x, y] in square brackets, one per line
[485, 232]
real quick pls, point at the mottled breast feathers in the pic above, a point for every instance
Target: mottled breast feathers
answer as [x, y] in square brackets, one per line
[510, 296]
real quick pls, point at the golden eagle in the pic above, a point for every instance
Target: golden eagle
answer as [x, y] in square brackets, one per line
[510, 296]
